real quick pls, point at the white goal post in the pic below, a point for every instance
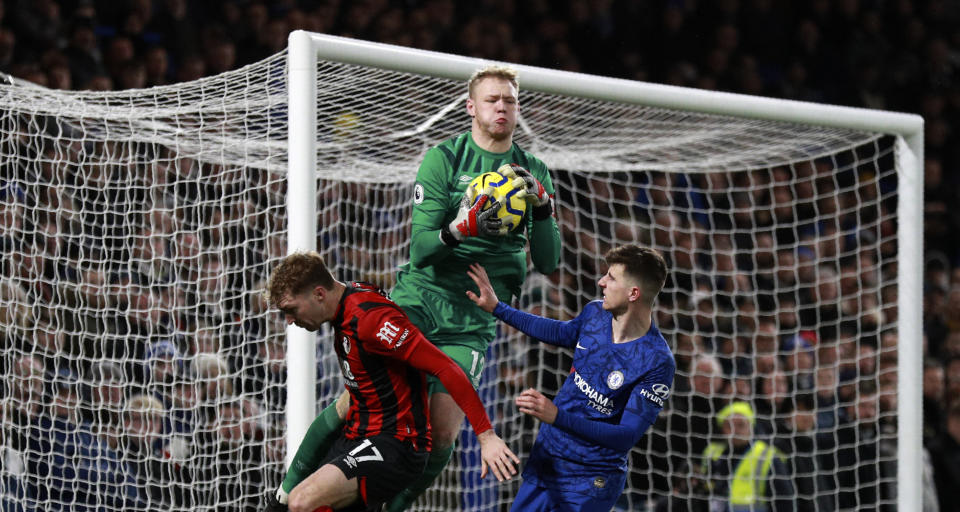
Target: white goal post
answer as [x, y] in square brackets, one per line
[722, 131]
[142, 369]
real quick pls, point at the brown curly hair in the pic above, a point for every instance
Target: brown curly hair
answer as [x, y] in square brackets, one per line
[297, 272]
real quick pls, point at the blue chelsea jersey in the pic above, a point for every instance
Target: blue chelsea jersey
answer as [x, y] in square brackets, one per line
[610, 398]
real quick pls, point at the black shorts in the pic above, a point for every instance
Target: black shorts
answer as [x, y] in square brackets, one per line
[382, 465]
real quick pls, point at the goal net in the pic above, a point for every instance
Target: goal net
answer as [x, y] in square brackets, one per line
[142, 370]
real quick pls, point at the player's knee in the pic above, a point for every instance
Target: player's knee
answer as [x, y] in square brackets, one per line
[443, 438]
[446, 419]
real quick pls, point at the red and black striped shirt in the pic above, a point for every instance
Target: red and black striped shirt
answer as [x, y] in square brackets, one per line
[382, 358]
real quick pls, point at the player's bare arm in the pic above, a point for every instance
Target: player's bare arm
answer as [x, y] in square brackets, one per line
[487, 300]
[494, 453]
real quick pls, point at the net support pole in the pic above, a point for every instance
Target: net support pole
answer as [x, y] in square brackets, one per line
[301, 228]
[909, 156]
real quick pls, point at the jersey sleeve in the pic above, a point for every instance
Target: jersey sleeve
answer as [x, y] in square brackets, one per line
[428, 358]
[544, 233]
[391, 333]
[645, 403]
[548, 330]
[431, 202]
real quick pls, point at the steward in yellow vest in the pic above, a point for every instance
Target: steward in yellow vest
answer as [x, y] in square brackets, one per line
[745, 474]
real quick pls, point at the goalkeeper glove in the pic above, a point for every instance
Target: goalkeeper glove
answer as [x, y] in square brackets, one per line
[472, 219]
[533, 192]
[274, 503]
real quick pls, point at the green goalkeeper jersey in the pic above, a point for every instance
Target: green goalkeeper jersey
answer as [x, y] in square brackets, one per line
[432, 285]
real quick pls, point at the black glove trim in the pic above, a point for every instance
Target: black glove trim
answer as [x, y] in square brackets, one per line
[447, 237]
[543, 212]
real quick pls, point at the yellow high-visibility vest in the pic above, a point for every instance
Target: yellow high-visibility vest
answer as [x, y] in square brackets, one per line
[748, 486]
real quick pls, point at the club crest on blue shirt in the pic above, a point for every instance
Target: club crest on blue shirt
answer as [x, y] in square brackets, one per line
[615, 379]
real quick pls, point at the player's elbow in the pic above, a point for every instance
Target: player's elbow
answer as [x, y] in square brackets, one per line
[546, 266]
[417, 262]
[422, 253]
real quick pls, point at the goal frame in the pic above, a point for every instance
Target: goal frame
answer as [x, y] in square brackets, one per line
[306, 48]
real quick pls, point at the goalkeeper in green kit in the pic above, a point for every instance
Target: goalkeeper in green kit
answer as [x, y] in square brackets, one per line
[450, 230]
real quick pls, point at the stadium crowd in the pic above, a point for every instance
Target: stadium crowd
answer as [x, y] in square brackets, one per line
[788, 358]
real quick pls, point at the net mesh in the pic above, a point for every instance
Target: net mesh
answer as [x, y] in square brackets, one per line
[143, 370]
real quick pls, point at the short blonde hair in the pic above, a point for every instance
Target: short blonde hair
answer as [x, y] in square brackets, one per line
[492, 71]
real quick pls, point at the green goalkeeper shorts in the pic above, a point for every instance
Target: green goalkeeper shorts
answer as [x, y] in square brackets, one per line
[463, 332]
[445, 320]
[470, 360]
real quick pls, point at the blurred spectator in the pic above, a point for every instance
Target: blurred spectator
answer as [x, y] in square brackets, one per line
[233, 447]
[183, 407]
[83, 53]
[215, 384]
[735, 461]
[205, 339]
[131, 74]
[946, 459]
[952, 371]
[934, 382]
[829, 412]
[8, 44]
[765, 346]
[157, 66]
[690, 422]
[267, 372]
[192, 67]
[799, 362]
[797, 440]
[162, 364]
[23, 414]
[221, 56]
[865, 460]
[107, 383]
[771, 404]
[78, 471]
[145, 450]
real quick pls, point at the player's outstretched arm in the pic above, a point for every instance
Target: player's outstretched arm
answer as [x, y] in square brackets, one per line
[487, 299]
[496, 456]
[547, 330]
